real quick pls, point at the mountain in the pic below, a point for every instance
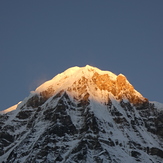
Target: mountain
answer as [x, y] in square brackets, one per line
[83, 115]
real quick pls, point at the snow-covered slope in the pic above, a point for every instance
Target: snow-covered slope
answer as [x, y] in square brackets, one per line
[83, 115]
[10, 109]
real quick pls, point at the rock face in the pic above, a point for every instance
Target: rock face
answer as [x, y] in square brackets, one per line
[83, 115]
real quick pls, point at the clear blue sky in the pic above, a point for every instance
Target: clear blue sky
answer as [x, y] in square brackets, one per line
[39, 39]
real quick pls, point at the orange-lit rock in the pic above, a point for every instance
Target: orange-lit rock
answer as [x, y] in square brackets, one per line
[90, 80]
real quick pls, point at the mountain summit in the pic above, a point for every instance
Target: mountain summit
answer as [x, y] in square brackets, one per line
[90, 82]
[83, 115]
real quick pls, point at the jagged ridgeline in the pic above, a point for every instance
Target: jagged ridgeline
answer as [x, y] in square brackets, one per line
[83, 115]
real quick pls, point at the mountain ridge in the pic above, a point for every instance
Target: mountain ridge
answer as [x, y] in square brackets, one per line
[83, 115]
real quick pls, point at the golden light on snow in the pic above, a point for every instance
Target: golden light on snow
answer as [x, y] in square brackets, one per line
[100, 85]
[10, 109]
[83, 83]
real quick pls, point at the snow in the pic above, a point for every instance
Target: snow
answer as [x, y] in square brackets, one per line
[157, 105]
[12, 108]
[97, 107]
[70, 75]
[66, 79]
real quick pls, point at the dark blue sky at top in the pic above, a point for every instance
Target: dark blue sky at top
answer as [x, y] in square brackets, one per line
[39, 39]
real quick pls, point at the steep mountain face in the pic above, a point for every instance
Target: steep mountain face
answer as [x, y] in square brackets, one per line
[83, 115]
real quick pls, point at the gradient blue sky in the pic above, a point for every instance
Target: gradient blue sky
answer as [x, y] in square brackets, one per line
[39, 39]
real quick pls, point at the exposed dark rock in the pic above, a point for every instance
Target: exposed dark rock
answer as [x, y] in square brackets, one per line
[135, 154]
[59, 158]
[90, 123]
[143, 106]
[121, 120]
[24, 114]
[36, 101]
[6, 136]
[159, 124]
[156, 151]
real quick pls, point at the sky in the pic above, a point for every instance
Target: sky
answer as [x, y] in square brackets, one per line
[39, 39]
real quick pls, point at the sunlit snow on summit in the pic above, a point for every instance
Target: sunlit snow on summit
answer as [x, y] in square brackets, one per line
[100, 85]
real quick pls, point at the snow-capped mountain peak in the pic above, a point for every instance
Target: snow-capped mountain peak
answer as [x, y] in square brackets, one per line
[78, 81]
[83, 115]
[71, 75]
